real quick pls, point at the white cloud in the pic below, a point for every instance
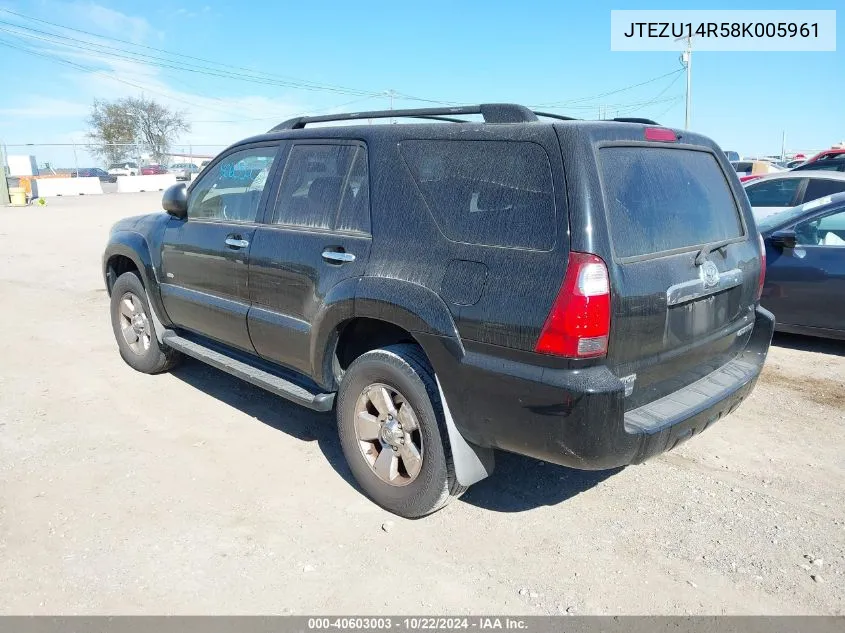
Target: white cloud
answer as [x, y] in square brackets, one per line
[38, 107]
[216, 120]
[184, 13]
[110, 21]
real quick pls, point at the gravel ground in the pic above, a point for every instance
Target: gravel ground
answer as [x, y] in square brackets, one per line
[192, 492]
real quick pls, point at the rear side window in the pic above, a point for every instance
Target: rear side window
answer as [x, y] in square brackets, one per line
[778, 192]
[492, 193]
[661, 199]
[325, 186]
[832, 162]
[819, 188]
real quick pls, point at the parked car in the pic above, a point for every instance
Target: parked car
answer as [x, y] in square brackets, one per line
[752, 169]
[204, 164]
[451, 288]
[805, 250]
[776, 192]
[827, 154]
[732, 156]
[749, 169]
[832, 160]
[125, 168]
[153, 170]
[183, 171]
[792, 164]
[94, 172]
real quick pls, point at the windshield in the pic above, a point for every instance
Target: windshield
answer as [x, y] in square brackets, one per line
[787, 216]
[660, 199]
[831, 164]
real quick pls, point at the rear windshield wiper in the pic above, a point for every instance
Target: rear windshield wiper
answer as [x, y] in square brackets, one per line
[709, 248]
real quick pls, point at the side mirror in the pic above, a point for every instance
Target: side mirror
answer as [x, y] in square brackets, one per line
[784, 239]
[175, 200]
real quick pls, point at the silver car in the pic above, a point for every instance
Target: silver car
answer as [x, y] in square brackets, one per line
[183, 171]
[776, 192]
[124, 168]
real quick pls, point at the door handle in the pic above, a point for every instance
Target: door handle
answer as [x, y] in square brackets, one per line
[338, 257]
[236, 243]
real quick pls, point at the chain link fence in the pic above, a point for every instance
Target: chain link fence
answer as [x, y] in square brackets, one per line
[34, 159]
[21, 162]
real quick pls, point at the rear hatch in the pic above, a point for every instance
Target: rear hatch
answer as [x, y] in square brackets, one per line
[681, 307]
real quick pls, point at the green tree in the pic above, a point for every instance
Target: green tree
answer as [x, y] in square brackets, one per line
[111, 128]
[156, 126]
[147, 124]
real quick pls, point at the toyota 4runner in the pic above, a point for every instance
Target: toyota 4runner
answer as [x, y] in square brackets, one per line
[586, 293]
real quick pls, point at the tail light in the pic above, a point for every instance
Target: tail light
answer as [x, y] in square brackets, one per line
[579, 322]
[660, 134]
[762, 279]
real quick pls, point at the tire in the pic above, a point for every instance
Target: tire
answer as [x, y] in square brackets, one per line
[145, 353]
[403, 372]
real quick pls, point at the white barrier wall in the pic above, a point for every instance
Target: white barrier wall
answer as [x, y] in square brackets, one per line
[134, 184]
[22, 165]
[48, 187]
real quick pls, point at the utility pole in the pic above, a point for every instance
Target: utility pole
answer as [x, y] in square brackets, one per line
[4, 185]
[783, 146]
[686, 61]
[391, 94]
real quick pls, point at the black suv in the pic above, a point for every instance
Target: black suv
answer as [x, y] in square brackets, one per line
[586, 293]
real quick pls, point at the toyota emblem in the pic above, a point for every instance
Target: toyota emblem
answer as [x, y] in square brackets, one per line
[709, 274]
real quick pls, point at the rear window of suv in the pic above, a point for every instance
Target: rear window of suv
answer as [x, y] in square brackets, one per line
[491, 193]
[661, 199]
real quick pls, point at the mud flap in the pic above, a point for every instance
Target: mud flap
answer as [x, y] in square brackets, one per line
[159, 328]
[472, 463]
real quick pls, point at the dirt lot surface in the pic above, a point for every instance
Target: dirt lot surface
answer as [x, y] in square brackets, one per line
[192, 492]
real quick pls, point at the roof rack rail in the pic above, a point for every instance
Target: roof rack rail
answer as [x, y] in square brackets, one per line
[633, 119]
[492, 113]
[550, 115]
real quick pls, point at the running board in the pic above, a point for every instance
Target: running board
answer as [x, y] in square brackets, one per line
[258, 377]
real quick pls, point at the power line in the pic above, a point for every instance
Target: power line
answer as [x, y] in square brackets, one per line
[218, 70]
[557, 104]
[675, 102]
[408, 97]
[656, 99]
[55, 58]
[276, 117]
[257, 75]
[161, 62]
[634, 105]
[178, 65]
[105, 74]
[148, 89]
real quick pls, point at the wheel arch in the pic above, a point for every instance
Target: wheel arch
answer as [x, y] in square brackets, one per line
[128, 246]
[386, 312]
[404, 308]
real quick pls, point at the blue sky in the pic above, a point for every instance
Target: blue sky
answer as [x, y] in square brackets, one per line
[469, 52]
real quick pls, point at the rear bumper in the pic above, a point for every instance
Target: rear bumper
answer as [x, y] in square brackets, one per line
[577, 418]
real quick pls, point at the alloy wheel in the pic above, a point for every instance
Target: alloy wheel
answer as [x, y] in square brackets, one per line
[134, 323]
[388, 434]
